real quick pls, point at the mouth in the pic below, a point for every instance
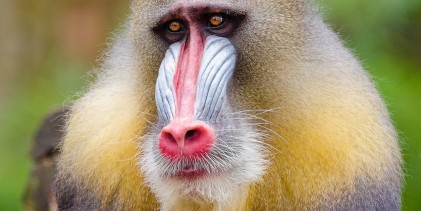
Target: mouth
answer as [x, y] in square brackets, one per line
[190, 173]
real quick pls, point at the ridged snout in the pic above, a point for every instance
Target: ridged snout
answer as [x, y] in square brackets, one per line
[190, 92]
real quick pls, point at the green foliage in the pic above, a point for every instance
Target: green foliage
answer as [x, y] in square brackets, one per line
[20, 118]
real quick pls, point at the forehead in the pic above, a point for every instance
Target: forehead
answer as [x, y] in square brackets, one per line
[153, 10]
[148, 13]
[169, 3]
[161, 6]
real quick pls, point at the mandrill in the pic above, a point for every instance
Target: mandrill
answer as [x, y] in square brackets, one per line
[229, 105]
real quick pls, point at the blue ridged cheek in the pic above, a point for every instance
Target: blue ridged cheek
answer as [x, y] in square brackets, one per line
[216, 70]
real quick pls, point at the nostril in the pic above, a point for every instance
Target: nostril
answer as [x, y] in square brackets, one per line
[169, 137]
[191, 135]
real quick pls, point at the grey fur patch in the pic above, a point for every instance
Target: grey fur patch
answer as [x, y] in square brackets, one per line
[368, 195]
[71, 197]
[372, 196]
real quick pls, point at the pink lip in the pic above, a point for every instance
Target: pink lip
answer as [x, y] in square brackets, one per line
[190, 173]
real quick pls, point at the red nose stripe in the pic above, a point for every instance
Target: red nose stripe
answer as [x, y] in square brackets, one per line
[187, 71]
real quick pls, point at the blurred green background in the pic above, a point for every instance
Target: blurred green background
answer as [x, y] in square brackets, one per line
[48, 47]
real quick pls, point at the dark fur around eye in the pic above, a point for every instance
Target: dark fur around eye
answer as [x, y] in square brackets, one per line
[231, 21]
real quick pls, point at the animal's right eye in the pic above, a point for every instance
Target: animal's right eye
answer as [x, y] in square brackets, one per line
[172, 31]
[175, 26]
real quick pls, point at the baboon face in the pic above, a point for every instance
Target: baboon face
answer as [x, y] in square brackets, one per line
[208, 89]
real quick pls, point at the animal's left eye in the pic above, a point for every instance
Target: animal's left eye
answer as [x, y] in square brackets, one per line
[216, 21]
[223, 24]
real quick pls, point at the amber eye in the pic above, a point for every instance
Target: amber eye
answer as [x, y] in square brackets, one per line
[175, 26]
[216, 20]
